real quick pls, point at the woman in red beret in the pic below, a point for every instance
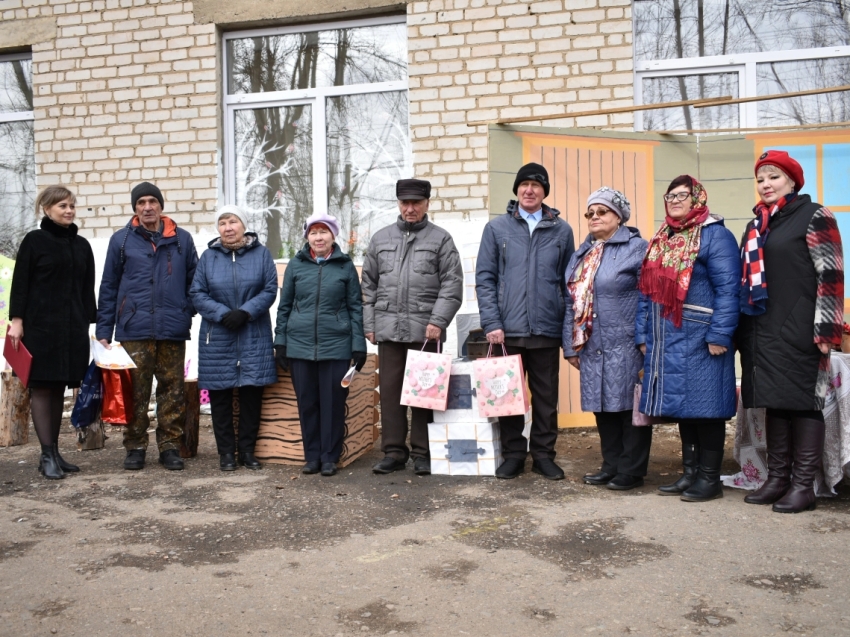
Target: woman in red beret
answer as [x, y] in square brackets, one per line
[792, 311]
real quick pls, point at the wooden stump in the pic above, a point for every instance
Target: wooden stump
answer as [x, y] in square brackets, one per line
[14, 411]
[192, 426]
[279, 440]
[92, 437]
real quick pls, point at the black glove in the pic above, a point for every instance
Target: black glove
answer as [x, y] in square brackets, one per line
[280, 357]
[359, 359]
[235, 319]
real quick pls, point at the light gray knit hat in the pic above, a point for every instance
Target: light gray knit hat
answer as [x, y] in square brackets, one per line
[613, 199]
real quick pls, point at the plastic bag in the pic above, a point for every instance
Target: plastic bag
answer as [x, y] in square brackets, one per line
[89, 399]
[117, 396]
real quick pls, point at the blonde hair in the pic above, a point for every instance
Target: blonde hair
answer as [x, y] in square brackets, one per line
[770, 167]
[51, 196]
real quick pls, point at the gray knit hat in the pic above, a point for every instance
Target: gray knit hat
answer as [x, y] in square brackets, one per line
[613, 199]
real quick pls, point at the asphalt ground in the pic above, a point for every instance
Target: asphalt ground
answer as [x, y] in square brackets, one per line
[273, 552]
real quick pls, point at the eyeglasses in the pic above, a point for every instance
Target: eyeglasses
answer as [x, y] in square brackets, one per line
[599, 213]
[679, 196]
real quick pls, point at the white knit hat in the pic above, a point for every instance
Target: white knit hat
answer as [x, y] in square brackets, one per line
[236, 211]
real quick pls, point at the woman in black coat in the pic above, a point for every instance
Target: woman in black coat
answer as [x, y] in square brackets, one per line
[51, 305]
[792, 304]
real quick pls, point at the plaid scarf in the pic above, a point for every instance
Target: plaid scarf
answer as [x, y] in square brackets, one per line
[666, 273]
[580, 287]
[753, 280]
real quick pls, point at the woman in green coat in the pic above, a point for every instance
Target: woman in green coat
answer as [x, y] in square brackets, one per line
[319, 332]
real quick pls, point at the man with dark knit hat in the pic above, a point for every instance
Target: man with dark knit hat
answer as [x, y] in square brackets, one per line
[144, 301]
[520, 285]
[412, 288]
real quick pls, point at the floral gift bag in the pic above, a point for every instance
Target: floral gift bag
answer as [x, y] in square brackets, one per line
[500, 385]
[426, 379]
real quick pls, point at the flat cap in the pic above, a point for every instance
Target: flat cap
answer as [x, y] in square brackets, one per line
[412, 189]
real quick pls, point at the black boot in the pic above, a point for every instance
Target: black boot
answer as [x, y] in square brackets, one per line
[690, 462]
[707, 485]
[807, 443]
[247, 459]
[66, 466]
[48, 465]
[778, 463]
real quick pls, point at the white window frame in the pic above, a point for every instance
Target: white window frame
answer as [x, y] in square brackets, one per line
[743, 63]
[314, 97]
[20, 116]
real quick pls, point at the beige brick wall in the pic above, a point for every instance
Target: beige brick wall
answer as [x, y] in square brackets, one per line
[127, 91]
[472, 62]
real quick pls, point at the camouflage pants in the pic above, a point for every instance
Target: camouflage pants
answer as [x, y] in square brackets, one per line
[163, 359]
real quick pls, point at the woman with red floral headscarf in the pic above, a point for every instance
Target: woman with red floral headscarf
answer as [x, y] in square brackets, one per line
[792, 311]
[685, 323]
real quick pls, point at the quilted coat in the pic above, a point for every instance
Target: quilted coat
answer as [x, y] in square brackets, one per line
[144, 295]
[519, 278]
[53, 293]
[681, 379]
[320, 315]
[243, 279]
[412, 276]
[610, 360]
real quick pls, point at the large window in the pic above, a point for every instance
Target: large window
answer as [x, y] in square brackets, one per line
[316, 119]
[695, 49]
[17, 152]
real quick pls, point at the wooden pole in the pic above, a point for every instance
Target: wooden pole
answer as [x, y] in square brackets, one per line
[14, 411]
[781, 96]
[713, 101]
[694, 131]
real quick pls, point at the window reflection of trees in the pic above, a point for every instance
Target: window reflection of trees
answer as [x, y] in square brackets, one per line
[367, 134]
[660, 89]
[676, 29]
[17, 157]
[368, 151]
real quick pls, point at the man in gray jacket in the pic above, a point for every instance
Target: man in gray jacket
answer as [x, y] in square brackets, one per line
[412, 288]
[520, 285]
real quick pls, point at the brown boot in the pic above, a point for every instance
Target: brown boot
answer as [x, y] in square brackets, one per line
[807, 443]
[778, 463]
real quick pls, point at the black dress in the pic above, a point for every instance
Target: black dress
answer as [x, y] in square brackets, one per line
[53, 292]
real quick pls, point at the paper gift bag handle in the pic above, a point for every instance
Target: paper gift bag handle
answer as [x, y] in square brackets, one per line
[425, 344]
[490, 350]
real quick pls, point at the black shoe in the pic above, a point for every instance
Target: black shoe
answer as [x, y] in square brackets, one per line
[510, 468]
[171, 460]
[247, 459]
[690, 463]
[548, 469]
[135, 460]
[422, 466]
[622, 482]
[328, 469]
[227, 462]
[388, 465]
[48, 465]
[313, 466]
[66, 466]
[598, 479]
[707, 485]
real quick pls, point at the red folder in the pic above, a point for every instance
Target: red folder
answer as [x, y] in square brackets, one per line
[20, 361]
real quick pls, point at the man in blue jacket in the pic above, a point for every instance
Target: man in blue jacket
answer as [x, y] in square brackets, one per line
[520, 284]
[144, 299]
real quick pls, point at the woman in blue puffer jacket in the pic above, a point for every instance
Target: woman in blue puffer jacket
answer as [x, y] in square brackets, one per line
[687, 317]
[599, 330]
[234, 287]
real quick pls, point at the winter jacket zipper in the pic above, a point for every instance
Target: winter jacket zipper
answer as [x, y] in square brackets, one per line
[316, 321]
[236, 298]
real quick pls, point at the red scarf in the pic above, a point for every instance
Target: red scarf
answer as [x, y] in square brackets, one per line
[669, 262]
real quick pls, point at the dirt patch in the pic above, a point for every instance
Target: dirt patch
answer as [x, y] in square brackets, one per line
[540, 614]
[793, 583]
[452, 571]
[830, 526]
[152, 562]
[380, 617]
[705, 616]
[52, 608]
[10, 550]
[585, 550]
